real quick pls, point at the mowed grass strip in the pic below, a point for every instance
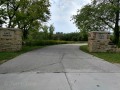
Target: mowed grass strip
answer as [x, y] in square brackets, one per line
[5, 56]
[108, 56]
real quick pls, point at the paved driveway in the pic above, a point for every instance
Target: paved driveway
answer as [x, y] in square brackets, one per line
[59, 67]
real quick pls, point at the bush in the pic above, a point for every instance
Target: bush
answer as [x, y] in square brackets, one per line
[44, 42]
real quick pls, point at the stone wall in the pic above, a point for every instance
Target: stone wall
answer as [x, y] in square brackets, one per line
[10, 39]
[99, 41]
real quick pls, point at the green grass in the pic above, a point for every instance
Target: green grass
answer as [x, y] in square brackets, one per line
[5, 56]
[108, 56]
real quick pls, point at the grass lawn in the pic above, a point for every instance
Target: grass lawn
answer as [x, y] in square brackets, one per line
[108, 56]
[5, 56]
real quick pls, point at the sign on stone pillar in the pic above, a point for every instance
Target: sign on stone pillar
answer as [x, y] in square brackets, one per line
[7, 34]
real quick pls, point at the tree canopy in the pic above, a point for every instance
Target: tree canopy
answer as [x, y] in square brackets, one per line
[99, 15]
[24, 14]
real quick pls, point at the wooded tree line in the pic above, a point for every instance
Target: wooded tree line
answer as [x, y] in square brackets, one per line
[73, 36]
[24, 14]
[46, 33]
[100, 15]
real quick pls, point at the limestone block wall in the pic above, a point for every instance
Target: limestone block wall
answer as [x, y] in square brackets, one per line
[98, 41]
[10, 39]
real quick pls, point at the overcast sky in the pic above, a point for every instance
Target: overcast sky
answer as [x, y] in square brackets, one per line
[61, 12]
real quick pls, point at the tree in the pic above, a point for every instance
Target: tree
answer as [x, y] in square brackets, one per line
[100, 15]
[10, 8]
[26, 14]
[86, 19]
[112, 16]
[37, 11]
[2, 17]
[51, 30]
[45, 30]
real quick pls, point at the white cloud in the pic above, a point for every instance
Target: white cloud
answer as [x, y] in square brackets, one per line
[62, 10]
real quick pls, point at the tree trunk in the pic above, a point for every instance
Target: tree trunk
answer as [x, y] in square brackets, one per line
[25, 34]
[9, 25]
[116, 29]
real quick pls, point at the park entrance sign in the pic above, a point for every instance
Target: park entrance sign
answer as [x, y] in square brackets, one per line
[10, 39]
[99, 41]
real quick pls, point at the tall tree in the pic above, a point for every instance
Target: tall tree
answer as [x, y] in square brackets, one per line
[51, 30]
[111, 15]
[3, 14]
[117, 19]
[3, 17]
[45, 30]
[26, 14]
[10, 8]
[100, 15]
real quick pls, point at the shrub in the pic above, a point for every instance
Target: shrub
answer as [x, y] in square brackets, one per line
[44, 42]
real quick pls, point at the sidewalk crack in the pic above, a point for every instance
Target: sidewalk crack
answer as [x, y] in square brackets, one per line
[65, 72]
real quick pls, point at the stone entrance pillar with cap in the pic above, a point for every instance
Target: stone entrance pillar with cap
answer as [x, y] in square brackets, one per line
[99, 41]
[10, 39]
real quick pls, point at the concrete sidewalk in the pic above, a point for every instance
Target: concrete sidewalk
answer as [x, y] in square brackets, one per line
[59, 67]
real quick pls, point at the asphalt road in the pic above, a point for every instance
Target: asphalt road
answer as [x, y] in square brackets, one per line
[59, 67]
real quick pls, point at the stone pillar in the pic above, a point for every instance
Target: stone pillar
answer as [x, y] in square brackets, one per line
[10, 39]
[98, 41]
